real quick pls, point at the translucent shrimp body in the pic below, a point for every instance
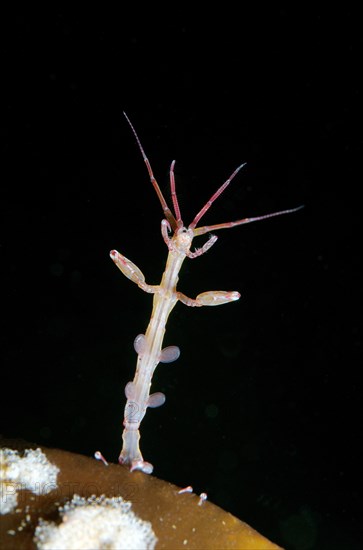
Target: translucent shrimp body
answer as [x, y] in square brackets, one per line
[148, 346]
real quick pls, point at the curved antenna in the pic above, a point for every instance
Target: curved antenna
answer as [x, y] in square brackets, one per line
[167, 212]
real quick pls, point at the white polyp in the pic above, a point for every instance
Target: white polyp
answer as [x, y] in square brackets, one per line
[188, 489]
[130, 390]
[169, 354]
[202, 498]
[96, 522]
[140, 343]
[31, 471]
[99, 456]
[156, 400]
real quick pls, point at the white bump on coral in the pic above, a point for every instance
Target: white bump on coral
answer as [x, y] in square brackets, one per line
[33, 471]
[96, 522]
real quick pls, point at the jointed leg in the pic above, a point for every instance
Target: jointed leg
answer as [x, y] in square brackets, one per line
[210, 298]
[199, 251]
[165, 229]
[132, 272]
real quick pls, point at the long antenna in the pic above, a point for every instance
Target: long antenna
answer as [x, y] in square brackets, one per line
[207, 228]
[214, 197]
[168, 213]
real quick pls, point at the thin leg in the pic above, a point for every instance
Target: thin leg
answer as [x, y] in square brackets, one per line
[165, 228]
[188, 301]
[199, 251]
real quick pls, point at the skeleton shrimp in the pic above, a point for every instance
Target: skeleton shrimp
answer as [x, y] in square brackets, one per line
[178, 238]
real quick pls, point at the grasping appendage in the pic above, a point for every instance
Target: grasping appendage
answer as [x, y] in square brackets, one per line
[148, 346]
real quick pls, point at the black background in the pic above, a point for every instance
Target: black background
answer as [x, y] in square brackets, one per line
[262, 406]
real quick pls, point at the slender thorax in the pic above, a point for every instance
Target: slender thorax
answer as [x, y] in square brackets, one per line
[178, 238]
